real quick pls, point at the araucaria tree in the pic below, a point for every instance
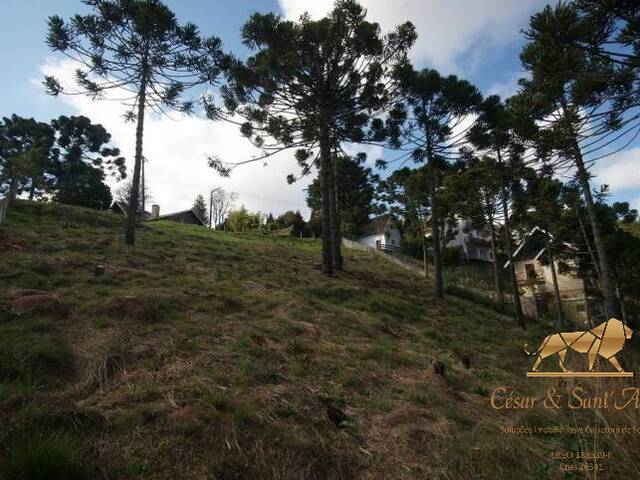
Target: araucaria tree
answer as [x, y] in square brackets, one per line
[137, 48]
[579, 97]
[474, 193]
[312, 86]
[428, 123]
[494, 134]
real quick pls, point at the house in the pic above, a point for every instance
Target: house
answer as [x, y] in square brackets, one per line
[471, 243]
[185, 216]
[535, 279]
[381, 233]
[189, 216]
[121, 208]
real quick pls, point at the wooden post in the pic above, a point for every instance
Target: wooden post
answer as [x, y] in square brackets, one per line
[4, 202]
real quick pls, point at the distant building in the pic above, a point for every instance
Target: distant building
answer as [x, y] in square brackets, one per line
[121, 208]
[381, 233]
[189, 217]
[535, 279]
[472, 243]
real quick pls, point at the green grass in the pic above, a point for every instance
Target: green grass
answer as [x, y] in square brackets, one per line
[53, 457]
[208, 354]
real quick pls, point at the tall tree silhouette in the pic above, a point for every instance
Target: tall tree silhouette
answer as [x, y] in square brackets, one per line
[424, 122]
[494, 134]
[139, 48]
[578, 97]
[312, 85]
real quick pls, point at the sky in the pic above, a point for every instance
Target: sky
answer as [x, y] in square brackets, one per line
[479, 41]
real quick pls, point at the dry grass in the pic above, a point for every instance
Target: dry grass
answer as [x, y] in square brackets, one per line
[199, 354]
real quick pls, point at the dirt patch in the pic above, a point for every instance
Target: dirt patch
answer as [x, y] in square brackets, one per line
[8, 243]
[146, 308]
[40, 303]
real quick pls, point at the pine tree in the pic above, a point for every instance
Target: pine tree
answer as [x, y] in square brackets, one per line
[424, 123]
[200, 208]
[494, 133]
[312, 85]
[137, 47]
[578, 97]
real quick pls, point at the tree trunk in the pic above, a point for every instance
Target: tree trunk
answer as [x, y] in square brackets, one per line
[130, 233]
[496, 267]
[325, 198]
[556, 289]
[594, 260]
[612, 306]
[435, 234]
[336, 234]
[517, 305]
[142, 191]
[424, 246]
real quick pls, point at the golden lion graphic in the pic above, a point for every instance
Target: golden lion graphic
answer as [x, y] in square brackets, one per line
[606, 340]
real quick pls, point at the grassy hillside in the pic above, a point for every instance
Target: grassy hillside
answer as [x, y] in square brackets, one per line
[201, 354]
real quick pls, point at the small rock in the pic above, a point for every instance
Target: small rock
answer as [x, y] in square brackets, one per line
[99, 270]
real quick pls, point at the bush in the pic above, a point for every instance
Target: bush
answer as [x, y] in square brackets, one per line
[52, 457]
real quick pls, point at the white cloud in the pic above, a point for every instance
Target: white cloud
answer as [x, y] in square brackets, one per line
[447, 30]
[177, 150]
[508, 87]
[620, 171]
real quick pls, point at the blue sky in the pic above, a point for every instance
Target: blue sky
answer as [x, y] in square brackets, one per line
[476, 40]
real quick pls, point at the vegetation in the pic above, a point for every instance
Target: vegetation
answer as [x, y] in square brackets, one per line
[67, 160]
[322, 93]
[140, 48]
[200, 353]
[424, 122]
[232, 353]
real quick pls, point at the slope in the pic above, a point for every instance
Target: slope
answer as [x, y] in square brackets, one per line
[203, 354]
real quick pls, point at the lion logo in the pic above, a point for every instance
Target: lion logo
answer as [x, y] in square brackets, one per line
[605, 340]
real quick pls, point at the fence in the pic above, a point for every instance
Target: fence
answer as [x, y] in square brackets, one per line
[4, 203]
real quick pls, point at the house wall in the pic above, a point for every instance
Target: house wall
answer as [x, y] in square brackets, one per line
[370, 240]
[462, 238]
[572, 294]
[391, 238]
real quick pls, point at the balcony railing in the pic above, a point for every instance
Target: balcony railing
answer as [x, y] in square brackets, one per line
[530, 279]
[389, 248]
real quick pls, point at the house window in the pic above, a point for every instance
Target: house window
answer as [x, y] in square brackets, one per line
[530, 271]
[393, 242]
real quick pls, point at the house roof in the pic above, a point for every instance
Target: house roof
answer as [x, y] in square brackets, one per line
[533, 246]
[190, 210]
[380, 224]
[121, 207]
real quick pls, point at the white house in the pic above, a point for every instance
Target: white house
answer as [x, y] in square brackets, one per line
[473, 244]
[381, 233]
